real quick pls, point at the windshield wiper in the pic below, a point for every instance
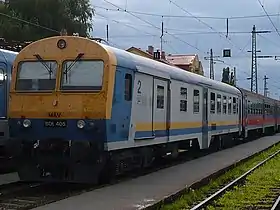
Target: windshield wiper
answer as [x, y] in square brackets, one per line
[67, 69]
[43, 62]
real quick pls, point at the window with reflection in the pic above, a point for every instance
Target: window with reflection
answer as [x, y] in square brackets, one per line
[2, 76]
[196, 101]
[219, 104]
[160, 97]
[82, 75]
[36, 76]
[184, 100]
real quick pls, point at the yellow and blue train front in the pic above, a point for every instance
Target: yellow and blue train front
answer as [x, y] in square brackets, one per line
[60, 108]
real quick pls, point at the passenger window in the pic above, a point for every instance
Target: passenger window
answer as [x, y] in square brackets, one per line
[196, 101]
[2, 76]
[160, 97]
[234, 105]
[249, 107]
[224, 105]
[229, 105]
[128, 87]
[219, 104]
[184, 99]
[213, 103]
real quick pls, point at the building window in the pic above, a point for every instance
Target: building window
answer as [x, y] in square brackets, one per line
[160, 97]
[219, 104]
[224, 105]
[234, 105]
[213, 103]
[128, 87]
[229, 105]
[196, 101]
[184, 99]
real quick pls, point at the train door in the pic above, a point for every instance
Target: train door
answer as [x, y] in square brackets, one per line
[3, 93]
[205, 119]
[160, 108]
[143, 107]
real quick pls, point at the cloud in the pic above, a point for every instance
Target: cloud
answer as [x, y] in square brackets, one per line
[126, 30]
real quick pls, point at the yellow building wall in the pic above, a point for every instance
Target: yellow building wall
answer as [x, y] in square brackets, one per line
[196, 66]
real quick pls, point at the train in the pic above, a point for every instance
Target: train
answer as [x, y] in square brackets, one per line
[82, 112]
[7, 58]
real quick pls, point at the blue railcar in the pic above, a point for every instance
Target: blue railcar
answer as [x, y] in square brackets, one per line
[6, 65]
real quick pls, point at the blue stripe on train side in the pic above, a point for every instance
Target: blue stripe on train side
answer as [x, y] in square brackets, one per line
[37, 131]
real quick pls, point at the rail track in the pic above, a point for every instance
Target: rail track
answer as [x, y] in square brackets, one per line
[23, 195]
[272, 201]
[276, 204]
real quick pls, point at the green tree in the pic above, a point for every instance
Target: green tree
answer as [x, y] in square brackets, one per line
[228, 76]
[73, 15]
[225, 76]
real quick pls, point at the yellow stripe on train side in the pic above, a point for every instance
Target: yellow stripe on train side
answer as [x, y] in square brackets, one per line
[223, 123]
[179, 125]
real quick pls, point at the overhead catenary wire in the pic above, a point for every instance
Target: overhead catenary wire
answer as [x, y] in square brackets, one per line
[204, 23]
[198, 17]
[56, 31]
[207, 25]
[269, 18]
[119, 9]
[213, 29]
[156, 27]
[127, 25]
[188, 16]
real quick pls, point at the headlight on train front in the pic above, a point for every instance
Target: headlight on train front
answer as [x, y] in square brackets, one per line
[61, 44]
[26, 123]
[81, 124]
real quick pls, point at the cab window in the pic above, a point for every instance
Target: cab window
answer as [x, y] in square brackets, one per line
[36, 76]
[82, 75]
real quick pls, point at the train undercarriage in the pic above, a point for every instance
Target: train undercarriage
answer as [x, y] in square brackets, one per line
[57, 160]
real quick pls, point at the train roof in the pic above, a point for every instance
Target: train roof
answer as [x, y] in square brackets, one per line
[139, 63]
[7, 56]
[259, 96]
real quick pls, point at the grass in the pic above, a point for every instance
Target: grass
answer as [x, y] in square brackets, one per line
[193, 196]
[256, 192]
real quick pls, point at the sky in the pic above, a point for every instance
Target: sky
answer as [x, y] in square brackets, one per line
[194, 27]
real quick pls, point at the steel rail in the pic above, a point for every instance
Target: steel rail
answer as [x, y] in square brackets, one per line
[276, 204]
[217, 194]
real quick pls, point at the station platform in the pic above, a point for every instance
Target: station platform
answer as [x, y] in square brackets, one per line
[145, 190]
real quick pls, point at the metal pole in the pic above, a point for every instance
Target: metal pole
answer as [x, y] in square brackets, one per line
[211, 65]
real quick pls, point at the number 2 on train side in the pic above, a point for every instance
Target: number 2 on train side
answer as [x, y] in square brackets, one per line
[139, 86]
